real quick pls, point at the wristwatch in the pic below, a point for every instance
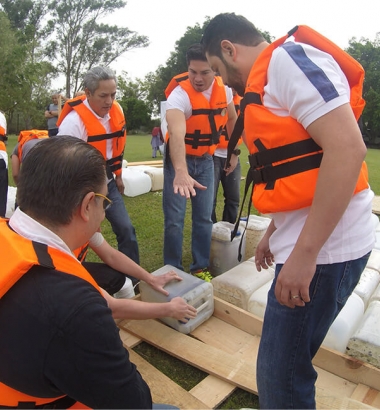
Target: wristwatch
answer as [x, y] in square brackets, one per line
[236, 151]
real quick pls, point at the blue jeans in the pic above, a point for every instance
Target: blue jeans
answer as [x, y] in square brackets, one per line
[231, 190]
[121, 224]
[174, 207]
[291, 337]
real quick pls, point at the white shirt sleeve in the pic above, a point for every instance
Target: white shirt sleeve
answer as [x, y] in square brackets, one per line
[179, 99]
[290, 92]
[73, 125]
[4, 156]
[96, 240]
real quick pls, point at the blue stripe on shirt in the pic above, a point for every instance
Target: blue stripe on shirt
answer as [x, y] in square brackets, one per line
[314, 73]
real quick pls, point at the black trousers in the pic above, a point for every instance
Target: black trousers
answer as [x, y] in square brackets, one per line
[106, 277]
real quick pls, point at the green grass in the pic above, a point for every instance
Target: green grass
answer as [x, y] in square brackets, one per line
[147, 217]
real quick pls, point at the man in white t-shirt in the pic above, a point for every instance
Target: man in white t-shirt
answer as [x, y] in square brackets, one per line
[98, 119]
[198, 107]
[321, 235]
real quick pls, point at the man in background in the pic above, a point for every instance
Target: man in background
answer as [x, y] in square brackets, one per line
[198, 107]
[230, 182]
[99, 120]
[51, 114]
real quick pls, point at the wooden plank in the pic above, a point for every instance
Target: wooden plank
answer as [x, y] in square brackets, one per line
[245, 347]
[204, 357]
[153, 163]
[163, 389]
[366, 395]
[335, 362]
[212, 391]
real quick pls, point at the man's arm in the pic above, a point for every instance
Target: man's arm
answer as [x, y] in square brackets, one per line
[339, 136]
[183, 183]
[122, 263]
[15, 163]
[177, 308]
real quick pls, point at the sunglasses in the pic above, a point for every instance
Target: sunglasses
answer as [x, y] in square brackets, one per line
[106, 201]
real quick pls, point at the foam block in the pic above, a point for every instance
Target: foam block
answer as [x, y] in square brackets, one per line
[257, 303]
[368, 282]
[157, 177]
[256, 228]
[237, 284]
[365, 343]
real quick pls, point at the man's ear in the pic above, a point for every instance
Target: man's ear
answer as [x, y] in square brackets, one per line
[228, 49]
[84, 208]
[87, 92]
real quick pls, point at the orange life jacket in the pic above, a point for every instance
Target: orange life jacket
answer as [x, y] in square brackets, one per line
[224, 138]
[208, 118]
[2, 131]
[81, 252]
[284, 158]
[2, 146]
[28, 135]
[96, 133]
[21, 255]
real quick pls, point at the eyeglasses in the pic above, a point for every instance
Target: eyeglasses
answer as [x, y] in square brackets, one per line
[106, 201]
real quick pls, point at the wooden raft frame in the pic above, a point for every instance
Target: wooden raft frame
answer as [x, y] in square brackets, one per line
[225, 347]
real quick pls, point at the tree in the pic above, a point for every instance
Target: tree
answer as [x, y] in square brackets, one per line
[132, 96]
[176, 63]
[368, 55]
[81, 42]
[25, 73]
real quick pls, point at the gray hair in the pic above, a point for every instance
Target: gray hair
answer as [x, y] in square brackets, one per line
[95, 75]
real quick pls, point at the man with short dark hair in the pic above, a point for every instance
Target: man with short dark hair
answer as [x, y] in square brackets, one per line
[198, 107]
[59, 342]
[302, 98]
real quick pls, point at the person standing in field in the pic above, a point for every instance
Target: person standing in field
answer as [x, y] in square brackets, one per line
[99, 120]
[156, 141]
[198, 108]
[303, 98]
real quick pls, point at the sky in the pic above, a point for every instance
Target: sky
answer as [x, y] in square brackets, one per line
[166, 21]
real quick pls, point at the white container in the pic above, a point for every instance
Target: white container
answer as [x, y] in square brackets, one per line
[256, 228]
[368, 282]
[374, 260]
[193, 290]
[127, 291]
[136, 182]
[157, 177]
[11, 200]
[345, 324]
[224, 253]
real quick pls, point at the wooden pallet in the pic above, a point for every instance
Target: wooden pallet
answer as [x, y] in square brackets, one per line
[153, 163]
[225, 347]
